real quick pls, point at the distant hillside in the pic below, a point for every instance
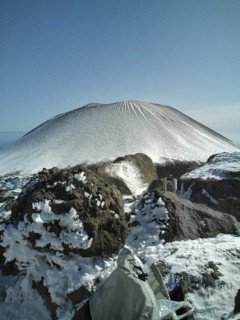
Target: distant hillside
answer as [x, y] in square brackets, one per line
[99, 132]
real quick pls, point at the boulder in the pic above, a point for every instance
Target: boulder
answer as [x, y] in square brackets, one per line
[222, 195]
[76, 197]
[128, 172]
[188, 220]
[65, 227]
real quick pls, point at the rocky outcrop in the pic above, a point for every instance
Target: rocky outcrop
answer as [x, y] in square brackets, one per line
[144, 163]
[117, 181]
[227, 172]
[175, 168]
[121, 171]
[222, 195]
[188, 220]
[7, 198]
[65, 224]
[85, 198]
[161, 184]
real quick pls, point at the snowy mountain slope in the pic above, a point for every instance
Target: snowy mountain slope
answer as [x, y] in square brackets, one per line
[223, 165]
[100, 132]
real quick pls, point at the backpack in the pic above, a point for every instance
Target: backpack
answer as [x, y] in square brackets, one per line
[128, 293]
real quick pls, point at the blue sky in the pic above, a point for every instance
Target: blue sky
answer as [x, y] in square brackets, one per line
[59, 55]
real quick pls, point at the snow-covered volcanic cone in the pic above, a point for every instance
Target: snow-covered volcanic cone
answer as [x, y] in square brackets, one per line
[100, 132]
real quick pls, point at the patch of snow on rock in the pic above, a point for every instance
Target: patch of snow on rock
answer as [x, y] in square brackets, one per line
[221, 166]
[129, 173]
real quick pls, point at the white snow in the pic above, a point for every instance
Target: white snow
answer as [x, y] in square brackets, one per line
[129, 173]
[22, 302]
[217, 168]
[151, 219]
[64, 274]
[211, 198]
[81, 177]
[100, 132]
[72, 272]
[187, 194]
[190, 256]
[70, 187]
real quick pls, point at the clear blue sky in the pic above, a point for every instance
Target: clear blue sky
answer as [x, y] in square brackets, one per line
[59, 55]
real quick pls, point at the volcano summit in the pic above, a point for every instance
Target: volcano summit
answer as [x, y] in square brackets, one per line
[100, 132]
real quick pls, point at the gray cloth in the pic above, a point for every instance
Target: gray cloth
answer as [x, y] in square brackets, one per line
[123, 296]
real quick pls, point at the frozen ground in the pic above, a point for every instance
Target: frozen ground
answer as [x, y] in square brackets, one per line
[192, 256]
[221, 166]
[99, 132]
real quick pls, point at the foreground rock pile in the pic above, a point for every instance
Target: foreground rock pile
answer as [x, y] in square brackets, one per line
[60, 216]
[85, 198]
[61, 235]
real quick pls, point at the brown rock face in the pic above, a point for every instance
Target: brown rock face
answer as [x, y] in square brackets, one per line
[188, 220]
[225, 192]
[175, 168]
[80, 195]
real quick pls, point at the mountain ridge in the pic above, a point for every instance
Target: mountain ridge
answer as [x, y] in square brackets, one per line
[101, 132]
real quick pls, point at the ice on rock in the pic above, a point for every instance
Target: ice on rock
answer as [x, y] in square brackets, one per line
[81, 177]
[219, 167]
[70, 188]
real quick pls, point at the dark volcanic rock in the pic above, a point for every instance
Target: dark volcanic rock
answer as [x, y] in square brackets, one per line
[62, 227]
[230, 205]
[237, 303]
[176, 168]
[187, 282]
[211, 274]
[83, 313]
[8, 204]
[86, 198]
[79, 295]
[7, 268]
[192, 221]
[159, 184]
[222, 195]
[8, 197]
[44, 293]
